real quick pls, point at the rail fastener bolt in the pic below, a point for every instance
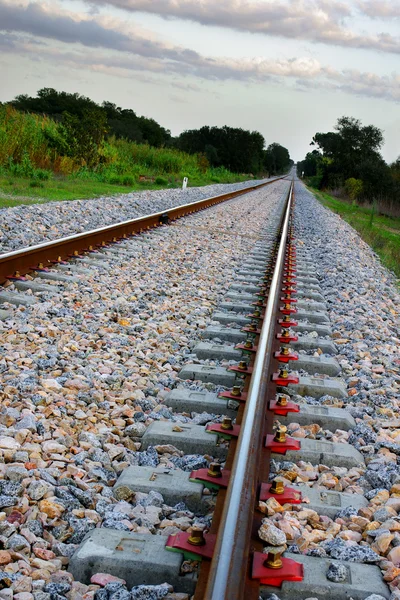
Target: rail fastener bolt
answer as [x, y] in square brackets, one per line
[273, 560]
[236, 391]
[226, 423]
[277, 487]
[280, 434]
[283, 373]
[214, 470]
[281, 400]
[196, 537]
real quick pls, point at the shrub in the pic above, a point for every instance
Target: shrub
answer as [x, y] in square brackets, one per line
[315, 181]
[35, 147]
[115, 180]
[353, 188]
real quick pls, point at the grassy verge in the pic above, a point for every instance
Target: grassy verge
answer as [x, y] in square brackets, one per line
[22, 190]
[380, 232]
[40, 160]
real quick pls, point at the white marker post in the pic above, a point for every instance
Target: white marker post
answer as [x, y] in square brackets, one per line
[185, 182]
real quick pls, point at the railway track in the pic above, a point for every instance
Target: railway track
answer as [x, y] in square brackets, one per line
[214, 463]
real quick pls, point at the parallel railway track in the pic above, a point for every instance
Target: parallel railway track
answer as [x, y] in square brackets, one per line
[272, 319]
[27, 260]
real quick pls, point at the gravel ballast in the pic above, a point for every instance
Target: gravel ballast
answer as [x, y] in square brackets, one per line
[31, 224]
[363, 304]
[85, 371]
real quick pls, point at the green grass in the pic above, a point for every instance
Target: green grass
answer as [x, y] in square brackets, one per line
[36, 167]
[380, 232]
[22, 190]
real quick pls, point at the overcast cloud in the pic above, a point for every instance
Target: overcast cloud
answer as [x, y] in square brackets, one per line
[315, 20]
[107, 45]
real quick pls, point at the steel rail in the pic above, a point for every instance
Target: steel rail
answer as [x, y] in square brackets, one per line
[24, 260]
[226, 579]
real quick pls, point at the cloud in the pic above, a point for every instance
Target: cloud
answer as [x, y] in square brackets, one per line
[39, 21]
[314, 20]
[110, 46]
[304, 74]
[50, 22]
[382, 9]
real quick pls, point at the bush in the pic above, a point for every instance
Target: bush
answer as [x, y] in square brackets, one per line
[128, 181]
[315, 181]
[114, 180]
[35, 147]
[353, 188]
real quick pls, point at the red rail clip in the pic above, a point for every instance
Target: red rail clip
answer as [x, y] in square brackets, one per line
[289, 323]
[237, 369]
[250, 330]
[281, 379]
[259, 303]
[290, 279]
[214, 483]
[281, 447]
[285, 358]
[255, 316]
[289, 496]
[179, 543]
[241, 397]
[289, 571]
[283, 410]
[16, 278]
[224, 432]
[287, 309]
[245, 348]
[286, 339]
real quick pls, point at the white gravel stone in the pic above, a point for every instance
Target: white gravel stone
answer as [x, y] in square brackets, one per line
[30, 224]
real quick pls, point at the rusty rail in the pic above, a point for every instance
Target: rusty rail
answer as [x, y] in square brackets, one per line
[27, 259]
[229, 572]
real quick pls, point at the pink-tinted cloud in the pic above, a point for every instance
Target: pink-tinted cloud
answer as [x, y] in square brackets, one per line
[314, 20]
[102, 44]
[381, 9]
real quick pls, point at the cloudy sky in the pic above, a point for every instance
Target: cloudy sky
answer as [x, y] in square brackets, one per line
[287, 68]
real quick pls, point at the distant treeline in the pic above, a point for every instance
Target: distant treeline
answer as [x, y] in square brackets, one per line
[84, 125]
[348, 162]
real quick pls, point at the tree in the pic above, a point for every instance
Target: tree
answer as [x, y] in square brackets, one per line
[352, 151]
[233, 148]
[82, 137]
[121, 123]
[276, 159]
[309, 166]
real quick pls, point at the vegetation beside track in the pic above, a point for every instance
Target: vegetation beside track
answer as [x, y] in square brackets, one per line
[382, 233]
[348, 162]
[38, 164]
[62, 146]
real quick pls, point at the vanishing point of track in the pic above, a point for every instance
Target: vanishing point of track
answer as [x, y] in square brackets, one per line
[273, 301]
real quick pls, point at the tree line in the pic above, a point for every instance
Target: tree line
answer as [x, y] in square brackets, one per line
[349, 161]
[84, 125]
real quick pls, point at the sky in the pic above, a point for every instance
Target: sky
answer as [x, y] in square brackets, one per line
[286, 68]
